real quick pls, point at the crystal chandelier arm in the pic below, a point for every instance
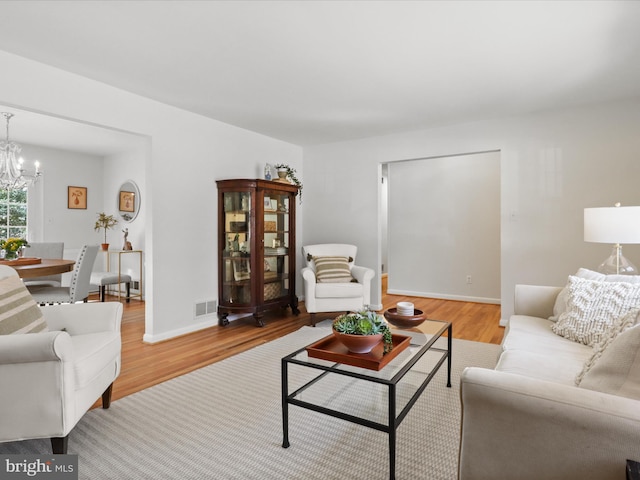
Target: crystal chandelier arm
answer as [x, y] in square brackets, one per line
[12, 172]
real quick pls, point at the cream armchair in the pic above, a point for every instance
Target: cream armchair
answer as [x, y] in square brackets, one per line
[50, 379]
[340, 296]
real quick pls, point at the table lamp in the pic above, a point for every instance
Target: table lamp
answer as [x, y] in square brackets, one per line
[616, 225]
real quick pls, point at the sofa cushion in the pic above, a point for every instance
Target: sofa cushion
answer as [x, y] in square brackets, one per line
[617, 371]
[534, 334]
[339, 290]
[19, 313]
[554, 368]
[619, 325]
[592, 306]
[333, 270]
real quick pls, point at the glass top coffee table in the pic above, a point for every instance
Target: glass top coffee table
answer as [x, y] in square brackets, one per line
[378, 399]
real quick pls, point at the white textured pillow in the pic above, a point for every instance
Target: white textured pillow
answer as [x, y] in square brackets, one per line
[592, 306]
[560, 305]
[619, 325]
[617, 371]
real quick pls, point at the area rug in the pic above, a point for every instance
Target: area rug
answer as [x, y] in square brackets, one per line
[224, 421]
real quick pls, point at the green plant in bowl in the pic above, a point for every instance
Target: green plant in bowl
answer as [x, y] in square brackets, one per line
[364, 322]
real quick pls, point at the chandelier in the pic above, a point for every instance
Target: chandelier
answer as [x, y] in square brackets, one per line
[13, 175]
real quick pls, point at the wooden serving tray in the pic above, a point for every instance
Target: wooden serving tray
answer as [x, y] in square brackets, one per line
[329, 348]
[22, 261]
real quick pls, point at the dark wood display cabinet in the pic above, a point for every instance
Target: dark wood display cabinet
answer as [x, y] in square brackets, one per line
[256, 247]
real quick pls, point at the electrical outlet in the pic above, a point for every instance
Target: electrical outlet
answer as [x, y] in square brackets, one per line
[469, 279]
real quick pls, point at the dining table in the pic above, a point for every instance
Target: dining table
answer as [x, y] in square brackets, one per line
[39, 267]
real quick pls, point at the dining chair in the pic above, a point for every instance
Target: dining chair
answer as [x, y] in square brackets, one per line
[78, 290]
[45, 250]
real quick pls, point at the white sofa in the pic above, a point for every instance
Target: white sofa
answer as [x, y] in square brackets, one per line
[527, 419]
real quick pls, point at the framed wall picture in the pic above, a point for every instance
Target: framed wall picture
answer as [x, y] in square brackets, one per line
[127, 201]
[77, 197]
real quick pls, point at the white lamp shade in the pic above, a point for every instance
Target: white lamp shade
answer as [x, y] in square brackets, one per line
[612, 225]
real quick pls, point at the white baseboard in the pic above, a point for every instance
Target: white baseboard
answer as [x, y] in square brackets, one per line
[211, 322]
[503, 322]
[444, 296]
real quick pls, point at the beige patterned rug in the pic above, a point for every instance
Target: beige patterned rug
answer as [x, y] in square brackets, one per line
[224, 422]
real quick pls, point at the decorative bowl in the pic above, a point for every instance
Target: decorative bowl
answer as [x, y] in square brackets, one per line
[358, 343]
[404, 321]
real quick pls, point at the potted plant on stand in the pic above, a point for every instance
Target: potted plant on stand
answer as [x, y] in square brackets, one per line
[105, 222]
[361, 331]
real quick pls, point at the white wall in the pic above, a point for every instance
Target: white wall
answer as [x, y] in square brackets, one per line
[187, 154]
[50, 219]
[118, 169]
[553, 165]
[444, 225]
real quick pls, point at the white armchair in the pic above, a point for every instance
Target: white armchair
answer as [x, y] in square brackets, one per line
[50, 379]
[335, 297]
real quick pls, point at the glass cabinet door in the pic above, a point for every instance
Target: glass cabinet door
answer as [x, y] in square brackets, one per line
[276, 244]
[237, 250]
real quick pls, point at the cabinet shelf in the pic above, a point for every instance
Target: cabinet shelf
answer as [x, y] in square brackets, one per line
[277, 278]
[262, 277]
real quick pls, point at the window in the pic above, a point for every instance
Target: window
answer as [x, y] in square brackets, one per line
[13, 213]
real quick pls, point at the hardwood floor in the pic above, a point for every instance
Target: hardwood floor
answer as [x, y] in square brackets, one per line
[144, 365]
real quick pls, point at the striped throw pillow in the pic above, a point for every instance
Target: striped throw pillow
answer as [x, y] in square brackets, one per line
[19, 313]
[333, 270]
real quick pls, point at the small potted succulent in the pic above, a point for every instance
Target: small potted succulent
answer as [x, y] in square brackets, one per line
[105, 222]
[361, 331]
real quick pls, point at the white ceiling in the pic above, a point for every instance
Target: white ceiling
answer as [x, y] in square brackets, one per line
[311, 72]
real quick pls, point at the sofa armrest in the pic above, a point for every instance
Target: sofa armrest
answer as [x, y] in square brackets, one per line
[37, 398]
[309, 277]
[535, 300]
[518, 427]
[83, 318]
[363, 275]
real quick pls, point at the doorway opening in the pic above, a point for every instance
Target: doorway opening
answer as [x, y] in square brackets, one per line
[440, 227]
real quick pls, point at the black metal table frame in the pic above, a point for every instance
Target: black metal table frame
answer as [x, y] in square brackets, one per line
[393, 420]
